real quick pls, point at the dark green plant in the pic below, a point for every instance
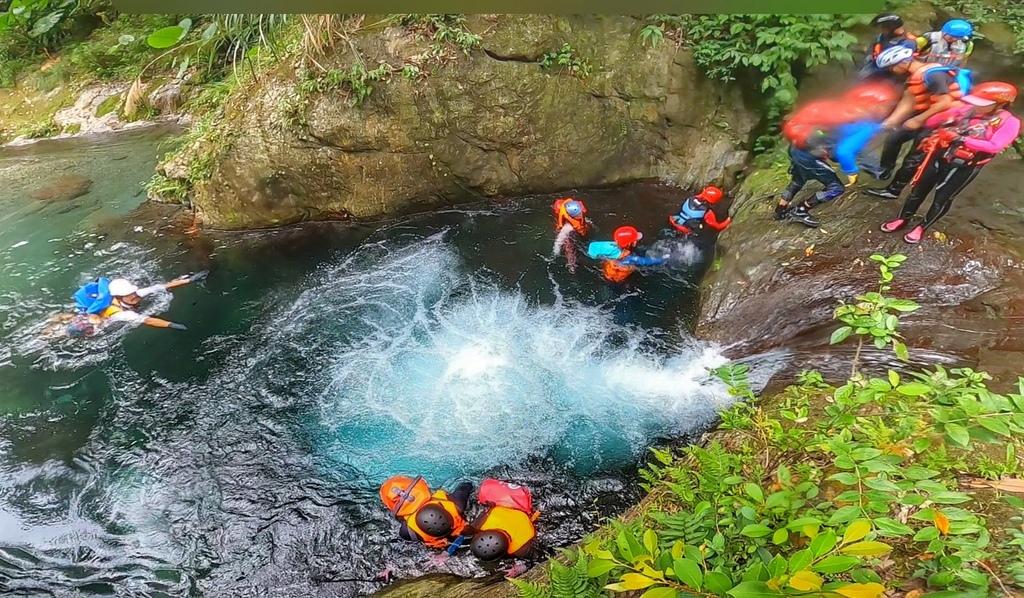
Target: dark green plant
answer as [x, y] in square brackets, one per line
[566, 59]
[444, 30]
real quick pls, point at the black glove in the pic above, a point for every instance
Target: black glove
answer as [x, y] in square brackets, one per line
[176, 326]
[199, 276]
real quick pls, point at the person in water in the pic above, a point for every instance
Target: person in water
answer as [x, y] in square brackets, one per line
[571, 224]
[434, 518]
[832, 129]
[892, 33]
[697, 213]
[116, 300]
[951, 46]
[931, 88]
[622, 256]
[966, 138]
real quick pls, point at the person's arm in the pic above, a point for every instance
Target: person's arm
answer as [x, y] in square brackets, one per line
[636, 260]
[938, 86]
[711, 219]
[177, 282]
[945, 116]
[158, 323]
[903, 111]
[852, 143]
[1001, 139]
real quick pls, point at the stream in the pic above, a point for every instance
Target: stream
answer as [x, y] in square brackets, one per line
[243, 456]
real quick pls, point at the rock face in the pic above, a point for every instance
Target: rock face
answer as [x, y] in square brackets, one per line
[779, 282]
[493, 123]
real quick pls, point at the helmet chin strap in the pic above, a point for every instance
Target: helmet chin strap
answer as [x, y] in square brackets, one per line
[405, 495]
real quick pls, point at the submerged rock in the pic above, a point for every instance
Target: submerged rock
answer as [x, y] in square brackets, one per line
[491, 124]
[63, 188]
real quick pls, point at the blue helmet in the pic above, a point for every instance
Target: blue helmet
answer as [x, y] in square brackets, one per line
[958, 28]
[573, 208]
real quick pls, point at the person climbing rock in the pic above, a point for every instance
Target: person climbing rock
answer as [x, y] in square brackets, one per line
[837, 129]
[105, 300]
[572, 226]
[506, 527]
[951, 46]
[697, 213]
[892, 33]
[432, 518]
[966, 138]
[931, 88]
[622, 256]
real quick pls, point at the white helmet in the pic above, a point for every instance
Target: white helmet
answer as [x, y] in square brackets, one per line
[119, 287]
[893, 56]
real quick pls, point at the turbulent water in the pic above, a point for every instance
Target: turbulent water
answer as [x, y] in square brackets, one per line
[243, 456]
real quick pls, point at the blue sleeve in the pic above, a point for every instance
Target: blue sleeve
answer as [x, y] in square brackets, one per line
[852, 140]
[636, 260]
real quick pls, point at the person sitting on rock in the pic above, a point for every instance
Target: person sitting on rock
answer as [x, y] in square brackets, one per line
[697, 213]
[116, 300]
[621, 257]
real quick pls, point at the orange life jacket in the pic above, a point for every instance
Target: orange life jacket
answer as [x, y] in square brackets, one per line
[516, 524]
[438, 498]
[616, 272]
[562, 218]
[923, 99]
[879, 46]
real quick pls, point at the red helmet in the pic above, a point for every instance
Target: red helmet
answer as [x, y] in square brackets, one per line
[869, 94]
[711, 195]
[627, 236]
[995, 91]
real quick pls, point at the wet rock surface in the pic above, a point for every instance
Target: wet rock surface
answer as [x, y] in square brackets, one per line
[780, 282]
[63, 188]
[491, 124]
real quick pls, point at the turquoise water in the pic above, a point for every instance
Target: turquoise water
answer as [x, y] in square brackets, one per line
[243, 456]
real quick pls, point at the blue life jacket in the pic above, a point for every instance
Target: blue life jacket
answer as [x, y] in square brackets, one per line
[94, 297]
[606, 250]
[962, 76]
[691, 210]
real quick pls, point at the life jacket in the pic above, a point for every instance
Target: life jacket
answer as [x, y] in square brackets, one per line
[504, 494]
[458, 523]
[404, 496]
[811, 127]
[917, 85]
[94, 297]
[115, 307]
[580, 225]
[977, 127]
[514, 523]
[690, 217]
[949, 54]
[881, 44]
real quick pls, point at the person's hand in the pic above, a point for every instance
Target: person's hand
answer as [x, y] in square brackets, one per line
[851, 179]
[198, 276]
[948, 135]
[913, 124]
[176, 326]
[438, 559]
[386, 574]
[515, 571]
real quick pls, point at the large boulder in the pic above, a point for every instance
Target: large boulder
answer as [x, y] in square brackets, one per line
[493, 123]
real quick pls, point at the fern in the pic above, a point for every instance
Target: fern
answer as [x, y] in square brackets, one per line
[566, 582]
[714, 466]
[529, 589]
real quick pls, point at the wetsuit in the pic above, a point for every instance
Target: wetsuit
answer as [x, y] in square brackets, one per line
[930, 83]
[952, 168]
[843, 144]
[695, 215]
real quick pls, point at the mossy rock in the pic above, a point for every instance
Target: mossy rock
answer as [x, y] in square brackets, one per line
[108, 105]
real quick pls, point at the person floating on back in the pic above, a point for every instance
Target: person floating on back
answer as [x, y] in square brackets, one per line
[105, 300]
[622, 256]
[965, 139]
[434, 518]
[697, 213]
[831, 129]
[571, 224]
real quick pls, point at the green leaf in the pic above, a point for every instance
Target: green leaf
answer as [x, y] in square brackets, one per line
[949, 498]
[186, 25]
[659, 592]
[995, 424]
[840, 335]
[625, 546]
[891, 527]
[836, 564]
[800, 560]
[756, 530]
[754, 491]
[856, 531]
[901, 350]
[651, 541]
[926, 534]
[753, 589]
[166, 37]
[894, 378]
[825, 542]
[844, 515]
[846, 478]
[916, 472]
[780, 536]
[635, 581]
[958, 434]
[717, 582]
[688, 572]
[866, 549]
[913, 389]
[973, 577]
[597, 568]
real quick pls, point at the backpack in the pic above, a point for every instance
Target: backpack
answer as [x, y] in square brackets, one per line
[93, 297]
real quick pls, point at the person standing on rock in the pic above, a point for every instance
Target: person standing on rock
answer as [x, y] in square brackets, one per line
[931, 88]
[966, 138]
[892, 33]
[837, 129]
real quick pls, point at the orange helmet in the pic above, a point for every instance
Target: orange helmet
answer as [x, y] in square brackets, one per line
[875, 92]
[403, 496]
[993, 92]
[711, 195]
[627, 236]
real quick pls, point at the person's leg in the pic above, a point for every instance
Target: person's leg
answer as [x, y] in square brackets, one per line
[947, 189]
[460, 496]
[920, 192]
[798, 178]
[905, 174]
[891, 150]
[820, 171]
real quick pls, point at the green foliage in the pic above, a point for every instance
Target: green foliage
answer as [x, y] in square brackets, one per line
[38, 130]
[446, 31]
[796, 505]
[565, 581]
[42, 25]
[982, 12]
[565, 58]
[875, 316]
[163, 188]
